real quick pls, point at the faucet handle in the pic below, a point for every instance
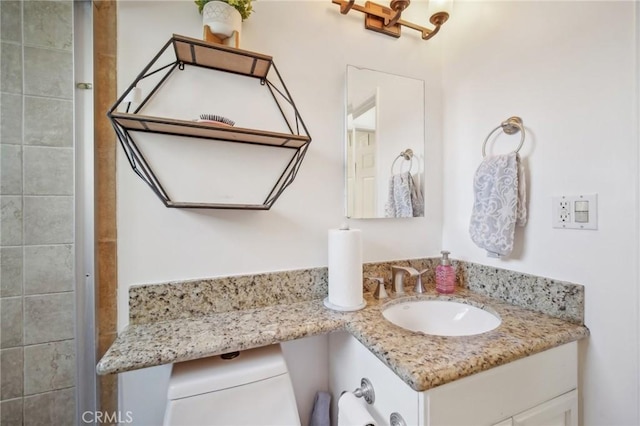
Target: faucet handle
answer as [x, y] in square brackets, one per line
[379, 292]
[420, 288]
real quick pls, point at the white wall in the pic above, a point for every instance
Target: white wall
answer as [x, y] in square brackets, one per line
[568, 69]
[311, 47]
[311, 43]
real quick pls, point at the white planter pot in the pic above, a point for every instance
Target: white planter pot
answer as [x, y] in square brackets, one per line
[221, 18]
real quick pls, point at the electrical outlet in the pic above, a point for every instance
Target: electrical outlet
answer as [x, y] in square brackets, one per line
[575, 211]
[563, 214]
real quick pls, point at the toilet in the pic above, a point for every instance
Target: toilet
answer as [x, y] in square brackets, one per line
[250, 389]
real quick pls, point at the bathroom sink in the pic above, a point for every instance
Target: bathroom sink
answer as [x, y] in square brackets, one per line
[441, 317]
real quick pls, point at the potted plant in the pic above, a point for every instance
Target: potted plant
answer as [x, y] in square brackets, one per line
[223, 17]
[242, 6]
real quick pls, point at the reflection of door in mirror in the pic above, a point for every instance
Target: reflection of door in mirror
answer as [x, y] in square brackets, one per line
[363, 174]
[385, 116]
[361, 158]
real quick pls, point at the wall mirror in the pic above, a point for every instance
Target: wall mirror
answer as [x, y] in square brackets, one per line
[385, 136]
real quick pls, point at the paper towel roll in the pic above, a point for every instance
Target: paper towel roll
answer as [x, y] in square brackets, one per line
[351, 412]
[345, 270]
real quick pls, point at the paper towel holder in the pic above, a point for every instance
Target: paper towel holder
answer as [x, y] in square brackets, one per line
[365, 391]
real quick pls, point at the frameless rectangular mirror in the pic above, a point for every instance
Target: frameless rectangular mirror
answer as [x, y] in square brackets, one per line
[384, 145]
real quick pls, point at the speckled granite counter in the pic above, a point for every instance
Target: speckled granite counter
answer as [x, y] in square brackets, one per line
[422, 361]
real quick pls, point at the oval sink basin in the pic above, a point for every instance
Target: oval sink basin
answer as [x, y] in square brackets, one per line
[441, 317]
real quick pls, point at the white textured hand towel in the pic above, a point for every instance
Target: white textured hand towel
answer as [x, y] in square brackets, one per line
[500, 203]
[405, 198]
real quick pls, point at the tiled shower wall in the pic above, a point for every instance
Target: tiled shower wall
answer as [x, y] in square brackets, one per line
[37, 345]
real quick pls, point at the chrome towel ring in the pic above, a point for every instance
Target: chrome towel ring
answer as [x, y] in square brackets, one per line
[510, 126]
[406, 155]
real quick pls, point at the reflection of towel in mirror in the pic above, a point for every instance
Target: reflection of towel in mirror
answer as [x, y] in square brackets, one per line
[405, 199]
[500, 203]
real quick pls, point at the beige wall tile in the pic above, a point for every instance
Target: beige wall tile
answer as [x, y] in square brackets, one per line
[11, 369]
[48, 317]
[11, 25]
[48, 220]
[48, 269]
[48, 367]
[10, 169]
[11, 412]
[42, 68]
[48, 24]
[10, 220]
[10, 118]
[48, 171]
[11, 322]
[48, 72]
[51, 408]
[11, 271]
[48, 122]
[11, 68]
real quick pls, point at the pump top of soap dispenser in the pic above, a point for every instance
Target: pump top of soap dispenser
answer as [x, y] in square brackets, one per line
[445, 261]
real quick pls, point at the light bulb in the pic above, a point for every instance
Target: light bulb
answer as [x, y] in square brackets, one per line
[436, 6]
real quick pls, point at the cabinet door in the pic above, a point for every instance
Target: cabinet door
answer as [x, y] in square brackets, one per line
[502, 392]
[560, 411]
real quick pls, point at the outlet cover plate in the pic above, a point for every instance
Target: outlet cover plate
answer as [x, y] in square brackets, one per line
[575, 211]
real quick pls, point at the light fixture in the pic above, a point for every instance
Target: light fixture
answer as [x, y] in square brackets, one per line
[387, 20]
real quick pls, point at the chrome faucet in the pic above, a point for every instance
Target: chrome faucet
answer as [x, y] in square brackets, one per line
[397, 273]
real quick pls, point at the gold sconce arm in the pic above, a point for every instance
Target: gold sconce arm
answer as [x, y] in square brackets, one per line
[387, 20]
[345, 6]
[397, 6]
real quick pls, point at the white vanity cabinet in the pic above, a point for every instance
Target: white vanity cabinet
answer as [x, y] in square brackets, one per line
[560, 411]
[536, 390]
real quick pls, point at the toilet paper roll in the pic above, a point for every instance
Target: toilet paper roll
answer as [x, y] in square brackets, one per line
[352, 412]
[345, 270]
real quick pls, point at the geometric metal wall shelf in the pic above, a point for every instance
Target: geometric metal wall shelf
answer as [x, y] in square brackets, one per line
[188, 52]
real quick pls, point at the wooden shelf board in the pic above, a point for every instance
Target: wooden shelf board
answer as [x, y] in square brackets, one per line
[188, 205]
[142, 123]
[224, 58]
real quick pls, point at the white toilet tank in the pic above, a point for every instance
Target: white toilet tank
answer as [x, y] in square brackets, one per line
[251, 389]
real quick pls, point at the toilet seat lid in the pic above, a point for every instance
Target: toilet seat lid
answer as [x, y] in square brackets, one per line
[214, 373]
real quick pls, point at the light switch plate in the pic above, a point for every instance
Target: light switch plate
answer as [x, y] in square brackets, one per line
[575, 211]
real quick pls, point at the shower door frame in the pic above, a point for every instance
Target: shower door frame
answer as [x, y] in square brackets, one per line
[86, 382]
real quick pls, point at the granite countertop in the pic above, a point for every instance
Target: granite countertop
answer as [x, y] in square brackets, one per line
[422, 361]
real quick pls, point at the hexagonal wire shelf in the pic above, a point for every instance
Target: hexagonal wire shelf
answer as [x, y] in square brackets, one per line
[194, 52]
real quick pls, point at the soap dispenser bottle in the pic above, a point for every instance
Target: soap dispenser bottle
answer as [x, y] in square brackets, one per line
[445, 275]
